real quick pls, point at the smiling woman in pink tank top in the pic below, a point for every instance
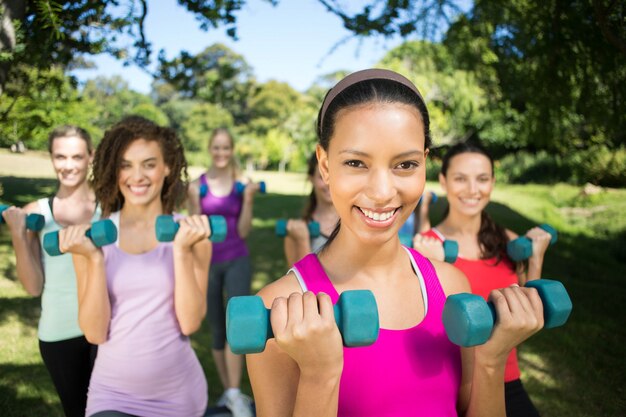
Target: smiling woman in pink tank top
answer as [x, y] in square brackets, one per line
[140, 299]
[373, 131]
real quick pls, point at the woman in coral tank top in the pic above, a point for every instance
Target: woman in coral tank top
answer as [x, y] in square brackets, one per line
[467, 177]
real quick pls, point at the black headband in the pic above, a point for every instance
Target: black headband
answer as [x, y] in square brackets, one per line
[365, 75]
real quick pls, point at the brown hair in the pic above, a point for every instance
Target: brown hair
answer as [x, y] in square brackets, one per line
[311, 205]
[70, 131]
[108, 158]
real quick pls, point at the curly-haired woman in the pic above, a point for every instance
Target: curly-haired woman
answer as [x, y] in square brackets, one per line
[140, 299]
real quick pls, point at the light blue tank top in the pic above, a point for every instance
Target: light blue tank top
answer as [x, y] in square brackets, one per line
[59, 299]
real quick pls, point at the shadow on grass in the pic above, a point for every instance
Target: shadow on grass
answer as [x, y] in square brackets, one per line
[573, 370]
[25, 309]
[38, 398]
[21, 191]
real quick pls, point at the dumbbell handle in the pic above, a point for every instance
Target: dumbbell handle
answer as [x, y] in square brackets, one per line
[521, 248]
[450, 247]
[240, 187]
[253, 325]
[557, 307]
[108, 236]
[216, 223]
[34, 221]
[281, 228]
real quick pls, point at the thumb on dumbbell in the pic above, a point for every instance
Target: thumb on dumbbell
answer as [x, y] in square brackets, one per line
[519, 314]
[192, 229]
[430, 247]
[75, 239]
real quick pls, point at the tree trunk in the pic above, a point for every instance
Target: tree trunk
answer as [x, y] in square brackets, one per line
[10, 11]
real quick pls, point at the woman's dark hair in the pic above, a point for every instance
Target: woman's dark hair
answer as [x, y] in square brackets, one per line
[108, 159]
[369, 86]
[69, 131]
[311, 205]
[492, 237]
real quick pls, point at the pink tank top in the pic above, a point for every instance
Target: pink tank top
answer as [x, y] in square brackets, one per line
[411, 372]
[485, 275]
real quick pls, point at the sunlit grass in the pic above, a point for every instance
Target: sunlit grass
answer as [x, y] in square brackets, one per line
[576, 370]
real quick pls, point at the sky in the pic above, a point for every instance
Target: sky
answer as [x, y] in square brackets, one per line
[292, 42]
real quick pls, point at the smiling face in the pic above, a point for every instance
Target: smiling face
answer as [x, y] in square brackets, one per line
[142, 172]
[70, 160]
[468, 183]
[221, 149]
[375, 168]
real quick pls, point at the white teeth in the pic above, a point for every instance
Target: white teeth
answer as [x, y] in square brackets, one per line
[377, 216]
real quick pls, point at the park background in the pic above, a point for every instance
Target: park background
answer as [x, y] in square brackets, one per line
[541, 84]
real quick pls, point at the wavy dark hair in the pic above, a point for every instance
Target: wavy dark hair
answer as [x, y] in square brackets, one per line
[311, 204]
[108, 158]
[492, 237]
[373, 90]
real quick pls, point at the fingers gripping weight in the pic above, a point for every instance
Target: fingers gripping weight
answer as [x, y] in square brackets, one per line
[469, 319]
[166, 228]
[248, 324]
[281, 228]
[34, 221]
[522, 247]
[101, 233]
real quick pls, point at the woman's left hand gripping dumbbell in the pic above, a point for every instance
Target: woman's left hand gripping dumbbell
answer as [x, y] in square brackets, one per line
[304, 327]
[192, 229]
[519, 313]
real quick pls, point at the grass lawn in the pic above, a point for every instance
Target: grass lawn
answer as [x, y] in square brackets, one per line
[576, 370]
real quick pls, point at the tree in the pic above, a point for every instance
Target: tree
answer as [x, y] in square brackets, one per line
[116, 100]
[50, 100]
[216, 75]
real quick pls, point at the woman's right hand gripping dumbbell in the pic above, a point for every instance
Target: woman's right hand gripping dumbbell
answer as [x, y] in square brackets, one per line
[75, 239]
[308, 333]
[298, 230]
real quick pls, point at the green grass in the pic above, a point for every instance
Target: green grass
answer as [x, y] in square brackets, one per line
[576, 370]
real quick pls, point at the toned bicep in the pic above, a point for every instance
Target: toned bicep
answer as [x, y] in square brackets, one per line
[274, 380]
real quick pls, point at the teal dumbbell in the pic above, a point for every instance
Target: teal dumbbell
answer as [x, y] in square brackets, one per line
[101, 233]
[34, 221]
[522, 247]
[204, 189]
[248, 324]
[406, 239]
[166, 228]
[240, 187]
[450, 247]
[469, 319]
[281, 228]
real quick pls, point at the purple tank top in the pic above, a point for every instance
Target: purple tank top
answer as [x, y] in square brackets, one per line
[411, 372]
[146, 367]
[233, 246]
